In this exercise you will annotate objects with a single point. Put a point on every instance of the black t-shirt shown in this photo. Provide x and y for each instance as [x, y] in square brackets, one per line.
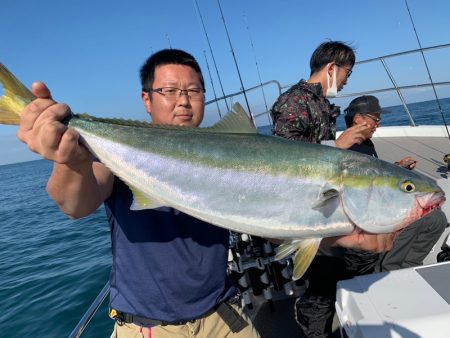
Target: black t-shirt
[367, 147]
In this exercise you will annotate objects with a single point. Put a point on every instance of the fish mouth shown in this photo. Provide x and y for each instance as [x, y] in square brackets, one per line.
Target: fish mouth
[429, 202]
[425, 204]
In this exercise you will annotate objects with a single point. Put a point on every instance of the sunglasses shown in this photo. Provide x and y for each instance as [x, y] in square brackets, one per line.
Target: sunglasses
[349, 71]
[374, 118]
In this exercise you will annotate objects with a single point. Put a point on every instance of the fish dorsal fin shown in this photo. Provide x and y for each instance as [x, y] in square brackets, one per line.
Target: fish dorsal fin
[118, 121]
[235, 122]
[142, 202]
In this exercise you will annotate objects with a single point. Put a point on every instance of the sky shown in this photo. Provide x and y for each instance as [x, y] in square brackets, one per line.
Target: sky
[89, 52]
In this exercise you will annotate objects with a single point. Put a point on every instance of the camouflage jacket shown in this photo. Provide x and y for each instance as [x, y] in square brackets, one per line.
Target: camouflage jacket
[303, 113]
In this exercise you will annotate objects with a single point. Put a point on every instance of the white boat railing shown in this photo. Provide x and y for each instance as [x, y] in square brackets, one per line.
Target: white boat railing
[231, 98]
[90, 313]
[382, 59]
[397, 88]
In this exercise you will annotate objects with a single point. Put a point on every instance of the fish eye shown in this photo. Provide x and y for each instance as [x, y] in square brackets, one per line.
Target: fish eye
[408, 186]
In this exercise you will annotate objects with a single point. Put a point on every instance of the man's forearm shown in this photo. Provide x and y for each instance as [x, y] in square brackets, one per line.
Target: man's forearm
[75, 189]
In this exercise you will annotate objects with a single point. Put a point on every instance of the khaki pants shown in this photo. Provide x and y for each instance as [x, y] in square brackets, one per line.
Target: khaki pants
[211, 326]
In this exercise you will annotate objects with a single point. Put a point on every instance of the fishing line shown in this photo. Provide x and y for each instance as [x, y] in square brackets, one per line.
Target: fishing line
[428, 70]
[235, 62]
[256, 63]
[210, 50]
[212, 84]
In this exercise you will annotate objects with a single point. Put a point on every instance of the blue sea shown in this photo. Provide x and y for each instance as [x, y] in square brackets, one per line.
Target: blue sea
[52, 268]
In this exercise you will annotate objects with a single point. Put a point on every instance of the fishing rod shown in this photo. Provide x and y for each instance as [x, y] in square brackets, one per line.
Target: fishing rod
[235, 62]
[210, 50]
[212, 84]
[170, 45]
[428, 70]
[256, 63]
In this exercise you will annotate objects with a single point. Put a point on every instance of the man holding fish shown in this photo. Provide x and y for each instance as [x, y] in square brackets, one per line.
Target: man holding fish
[169, 268]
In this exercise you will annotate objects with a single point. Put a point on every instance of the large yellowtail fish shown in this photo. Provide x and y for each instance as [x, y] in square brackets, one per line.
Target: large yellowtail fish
[262, 185]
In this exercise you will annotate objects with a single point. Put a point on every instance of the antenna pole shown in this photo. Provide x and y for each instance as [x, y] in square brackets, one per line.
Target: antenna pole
[235, 62]
[428, 70]
[210, 50]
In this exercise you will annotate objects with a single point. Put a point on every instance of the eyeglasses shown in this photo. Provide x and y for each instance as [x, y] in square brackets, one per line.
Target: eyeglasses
[374, 118]
[173, 93]
[349, 71]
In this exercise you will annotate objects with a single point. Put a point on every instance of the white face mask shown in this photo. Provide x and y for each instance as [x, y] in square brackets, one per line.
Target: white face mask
[332, 89]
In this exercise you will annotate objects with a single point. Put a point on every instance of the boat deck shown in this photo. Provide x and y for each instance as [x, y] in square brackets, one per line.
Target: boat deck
[428, 151]
[277, 320]
[427, 144]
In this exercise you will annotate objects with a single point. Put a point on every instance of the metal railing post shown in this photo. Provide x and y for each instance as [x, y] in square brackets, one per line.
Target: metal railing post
[399, 93]
[89, 314]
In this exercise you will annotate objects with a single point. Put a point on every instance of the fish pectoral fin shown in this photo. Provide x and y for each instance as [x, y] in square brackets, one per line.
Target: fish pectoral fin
[142, 201]
[286, 249]
[304, 256]
[305, 251]
[237, 121]
[325, 198]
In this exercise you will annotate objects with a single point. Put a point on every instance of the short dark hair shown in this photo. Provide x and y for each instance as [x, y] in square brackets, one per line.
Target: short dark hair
[331, 51]
[167, 57]
[349, 120]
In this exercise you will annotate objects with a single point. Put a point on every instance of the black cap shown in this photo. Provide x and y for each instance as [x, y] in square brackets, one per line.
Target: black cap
[365, 104]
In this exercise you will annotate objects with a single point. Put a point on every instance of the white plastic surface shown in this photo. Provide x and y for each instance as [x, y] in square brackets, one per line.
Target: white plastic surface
[400, 303]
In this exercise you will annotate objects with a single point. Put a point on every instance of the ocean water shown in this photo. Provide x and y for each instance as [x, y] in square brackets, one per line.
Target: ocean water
[52, 268]
[423, 113]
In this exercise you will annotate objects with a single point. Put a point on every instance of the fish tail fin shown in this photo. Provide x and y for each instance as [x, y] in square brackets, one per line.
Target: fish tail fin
[14, 99]
[305, 251]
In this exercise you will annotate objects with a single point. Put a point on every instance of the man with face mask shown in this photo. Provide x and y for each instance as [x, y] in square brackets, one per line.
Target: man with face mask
[304, 113]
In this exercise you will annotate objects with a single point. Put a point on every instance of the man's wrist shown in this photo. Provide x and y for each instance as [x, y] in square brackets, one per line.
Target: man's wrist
[331, 143]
